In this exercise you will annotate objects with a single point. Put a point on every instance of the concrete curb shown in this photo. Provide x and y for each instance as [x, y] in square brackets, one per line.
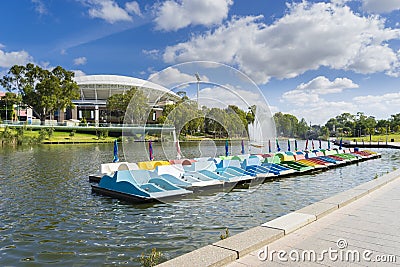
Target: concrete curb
[239, 245]
[247, 241]
[206, 256]
[290, 222]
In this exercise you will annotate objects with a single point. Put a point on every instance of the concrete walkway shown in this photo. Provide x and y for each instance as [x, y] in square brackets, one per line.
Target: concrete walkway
[366, 232]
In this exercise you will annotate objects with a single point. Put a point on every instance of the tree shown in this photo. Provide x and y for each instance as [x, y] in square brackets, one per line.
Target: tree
[132, 105]
[7, 103]
[184, 115]
[286, 124]
[302, 128]
[238, 118]
[395, 121]
[251, 114]
[43, 90]
[324, 132]
[370, 124]
[181, 94]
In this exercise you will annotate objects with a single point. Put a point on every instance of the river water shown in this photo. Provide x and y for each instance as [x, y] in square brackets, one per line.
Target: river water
[48, 214]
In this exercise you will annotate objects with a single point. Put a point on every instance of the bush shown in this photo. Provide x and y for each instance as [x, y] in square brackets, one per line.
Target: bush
[152, 259]
[226, 235]
[102, 134]
[42, 135]
[50, 132]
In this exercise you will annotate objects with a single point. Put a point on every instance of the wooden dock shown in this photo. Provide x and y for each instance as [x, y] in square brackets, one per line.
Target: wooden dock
[357, 227]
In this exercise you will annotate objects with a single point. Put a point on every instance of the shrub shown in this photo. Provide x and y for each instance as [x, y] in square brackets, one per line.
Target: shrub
[226, 235]
[151, 259]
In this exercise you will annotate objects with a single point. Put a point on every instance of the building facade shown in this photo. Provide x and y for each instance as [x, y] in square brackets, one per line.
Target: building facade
[96, 89]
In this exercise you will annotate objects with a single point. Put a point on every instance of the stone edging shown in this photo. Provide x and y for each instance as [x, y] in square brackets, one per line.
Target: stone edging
[228, 250]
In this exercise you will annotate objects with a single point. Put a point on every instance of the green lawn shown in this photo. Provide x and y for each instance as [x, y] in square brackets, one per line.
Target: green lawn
[376, 138]
[64, 137]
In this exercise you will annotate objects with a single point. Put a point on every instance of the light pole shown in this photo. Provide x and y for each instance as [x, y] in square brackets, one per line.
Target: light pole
[198, 88]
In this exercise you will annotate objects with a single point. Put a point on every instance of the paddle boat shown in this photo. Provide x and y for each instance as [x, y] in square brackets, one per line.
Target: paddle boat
[258, 165]
[137, 186]
[177, 175]
[157, 180]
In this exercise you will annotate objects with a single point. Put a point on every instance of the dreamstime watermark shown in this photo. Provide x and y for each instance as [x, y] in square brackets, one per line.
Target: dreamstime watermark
[339, 254]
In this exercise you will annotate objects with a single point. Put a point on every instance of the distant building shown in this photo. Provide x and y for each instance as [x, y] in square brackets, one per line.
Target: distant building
[15, 112]
[96, 89]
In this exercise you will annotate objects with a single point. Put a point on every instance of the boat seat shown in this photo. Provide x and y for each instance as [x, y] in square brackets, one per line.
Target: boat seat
[108, 168]
[181, 161]
[250, 161]
[141, 176]
[201, 165]
[124, 176]
[151, 165]
[175, 170]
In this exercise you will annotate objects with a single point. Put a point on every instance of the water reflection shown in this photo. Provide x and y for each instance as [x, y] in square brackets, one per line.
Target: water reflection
[49, 215]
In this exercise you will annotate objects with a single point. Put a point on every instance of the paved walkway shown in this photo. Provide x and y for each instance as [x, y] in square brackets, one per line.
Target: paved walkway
[368, 227]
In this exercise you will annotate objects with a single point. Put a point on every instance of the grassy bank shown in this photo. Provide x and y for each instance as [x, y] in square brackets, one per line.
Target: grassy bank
[48, 136]
[375, 138]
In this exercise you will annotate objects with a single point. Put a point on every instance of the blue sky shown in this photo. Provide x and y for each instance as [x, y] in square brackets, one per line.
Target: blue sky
[313, 59]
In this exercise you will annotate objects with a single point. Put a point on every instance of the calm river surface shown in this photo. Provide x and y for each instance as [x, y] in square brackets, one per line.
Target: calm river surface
[48, 214]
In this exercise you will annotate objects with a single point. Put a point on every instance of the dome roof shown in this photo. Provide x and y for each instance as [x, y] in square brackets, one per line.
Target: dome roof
[101, 87]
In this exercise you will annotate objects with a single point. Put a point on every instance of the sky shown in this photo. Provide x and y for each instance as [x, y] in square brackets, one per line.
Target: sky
[313, 59]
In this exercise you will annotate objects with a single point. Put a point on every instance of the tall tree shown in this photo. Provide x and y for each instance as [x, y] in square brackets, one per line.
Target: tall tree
[43, 90]
[302, 128]
[7, 103]
[132, 105]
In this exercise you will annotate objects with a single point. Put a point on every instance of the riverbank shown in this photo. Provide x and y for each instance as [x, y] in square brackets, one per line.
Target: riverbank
[23, 136]
[243, 249]
[393, 137]
[67, 135]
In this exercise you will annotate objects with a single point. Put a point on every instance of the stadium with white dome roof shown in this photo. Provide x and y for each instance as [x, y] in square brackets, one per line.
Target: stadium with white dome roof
[96, 89]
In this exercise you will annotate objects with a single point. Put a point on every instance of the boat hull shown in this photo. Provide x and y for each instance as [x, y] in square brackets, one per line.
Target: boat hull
[134, 198]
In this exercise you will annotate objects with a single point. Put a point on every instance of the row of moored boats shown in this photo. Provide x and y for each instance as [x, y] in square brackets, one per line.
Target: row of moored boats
[159, 180]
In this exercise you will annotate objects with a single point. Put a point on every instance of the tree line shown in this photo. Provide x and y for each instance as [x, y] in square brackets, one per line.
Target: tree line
[357, 125]
[45, 91]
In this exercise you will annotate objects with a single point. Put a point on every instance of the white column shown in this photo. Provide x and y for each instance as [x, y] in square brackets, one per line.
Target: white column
[96, 115]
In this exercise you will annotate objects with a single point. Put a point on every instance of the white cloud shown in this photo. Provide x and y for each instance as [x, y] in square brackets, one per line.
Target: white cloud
[79, 73]
[307, 94]
[174, 15]
[8, 59]
[379, 103]
[171, 77]
[381, 6]
[108, 10]
[380, 106]
[154, 53]
[223, 96]
[306, 100]
[40, 7]
[133, 8]
[322, 112]
[308, 37]
[320, 86]
[80, 61]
